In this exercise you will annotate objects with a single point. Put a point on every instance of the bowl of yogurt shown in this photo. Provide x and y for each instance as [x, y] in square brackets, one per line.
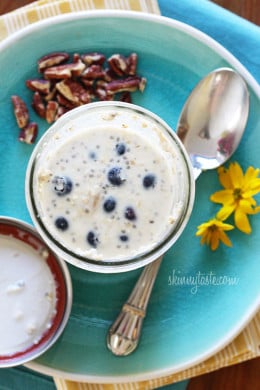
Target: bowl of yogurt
[109, 187]
[35, 291]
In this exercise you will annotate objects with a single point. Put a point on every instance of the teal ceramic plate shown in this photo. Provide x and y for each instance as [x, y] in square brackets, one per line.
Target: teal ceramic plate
[191, 315]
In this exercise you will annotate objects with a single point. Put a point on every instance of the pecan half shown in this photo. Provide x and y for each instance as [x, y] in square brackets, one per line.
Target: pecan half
[123, 66]
[94, 72]
[73, 91]
[52, 59]
[118, 63]
[29, 133]
[65, 71]
[78, 68]
[20, 111]
[132, 64]
[51, 111]
[130, 84]
[58, 72]
[65, 102]
[38, 105]
[39, 85]
[93, 58]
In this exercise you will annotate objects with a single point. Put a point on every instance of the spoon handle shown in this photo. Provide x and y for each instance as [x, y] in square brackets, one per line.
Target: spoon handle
[123, 336]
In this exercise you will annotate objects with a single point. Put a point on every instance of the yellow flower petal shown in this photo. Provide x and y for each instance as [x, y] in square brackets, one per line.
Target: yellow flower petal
[224, 177]
[242, 222]
[224, 238]
[251, 201]
[251, 173]
[225, 212]
[214, 242]
[251, 188]
[209, 237]
[223, 196]
[245, 205]
[201, 229]
[223, 225]
[203, 239]
[236, 175]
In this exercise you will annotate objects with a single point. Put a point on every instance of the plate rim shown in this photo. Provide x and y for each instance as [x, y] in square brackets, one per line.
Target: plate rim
[252, 82]
[151, 375]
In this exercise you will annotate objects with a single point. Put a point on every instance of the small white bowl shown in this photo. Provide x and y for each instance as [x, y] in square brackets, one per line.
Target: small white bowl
[36, 294]
[68, 181]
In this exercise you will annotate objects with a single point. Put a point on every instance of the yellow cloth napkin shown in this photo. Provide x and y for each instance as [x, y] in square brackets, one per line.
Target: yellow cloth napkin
[247, 344]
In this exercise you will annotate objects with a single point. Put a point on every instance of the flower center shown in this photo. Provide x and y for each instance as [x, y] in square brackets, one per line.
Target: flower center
[213, 228]
[237, 193]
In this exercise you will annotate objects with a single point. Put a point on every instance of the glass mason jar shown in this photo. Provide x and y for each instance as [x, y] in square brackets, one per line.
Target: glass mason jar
[109, 187]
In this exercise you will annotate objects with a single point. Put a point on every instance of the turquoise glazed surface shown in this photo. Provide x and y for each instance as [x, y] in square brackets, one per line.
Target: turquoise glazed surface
[186, 322]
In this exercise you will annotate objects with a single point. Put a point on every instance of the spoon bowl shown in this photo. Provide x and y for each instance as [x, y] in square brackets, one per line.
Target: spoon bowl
[213, 119]
[210, 126]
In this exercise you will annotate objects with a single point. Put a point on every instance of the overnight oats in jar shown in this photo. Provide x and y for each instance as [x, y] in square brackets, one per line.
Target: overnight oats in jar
[109, 187]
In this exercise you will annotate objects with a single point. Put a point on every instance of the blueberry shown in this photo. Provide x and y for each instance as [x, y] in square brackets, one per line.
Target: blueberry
[120, 148]
[124, 237]
[114, 176]
[62, 185]
[149, 180]
[92, 156]
[61, 223]
[92, 239]
[130, 214]
[109, 204]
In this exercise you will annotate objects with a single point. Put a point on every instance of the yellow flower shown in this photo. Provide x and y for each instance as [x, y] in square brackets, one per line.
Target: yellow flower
[213, 231]
[237, 196]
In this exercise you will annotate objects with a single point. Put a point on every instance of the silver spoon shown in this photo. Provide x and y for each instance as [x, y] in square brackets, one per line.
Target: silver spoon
[210, 126]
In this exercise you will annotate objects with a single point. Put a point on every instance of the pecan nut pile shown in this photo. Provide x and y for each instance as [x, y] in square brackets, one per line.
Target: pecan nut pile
[64, 84]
